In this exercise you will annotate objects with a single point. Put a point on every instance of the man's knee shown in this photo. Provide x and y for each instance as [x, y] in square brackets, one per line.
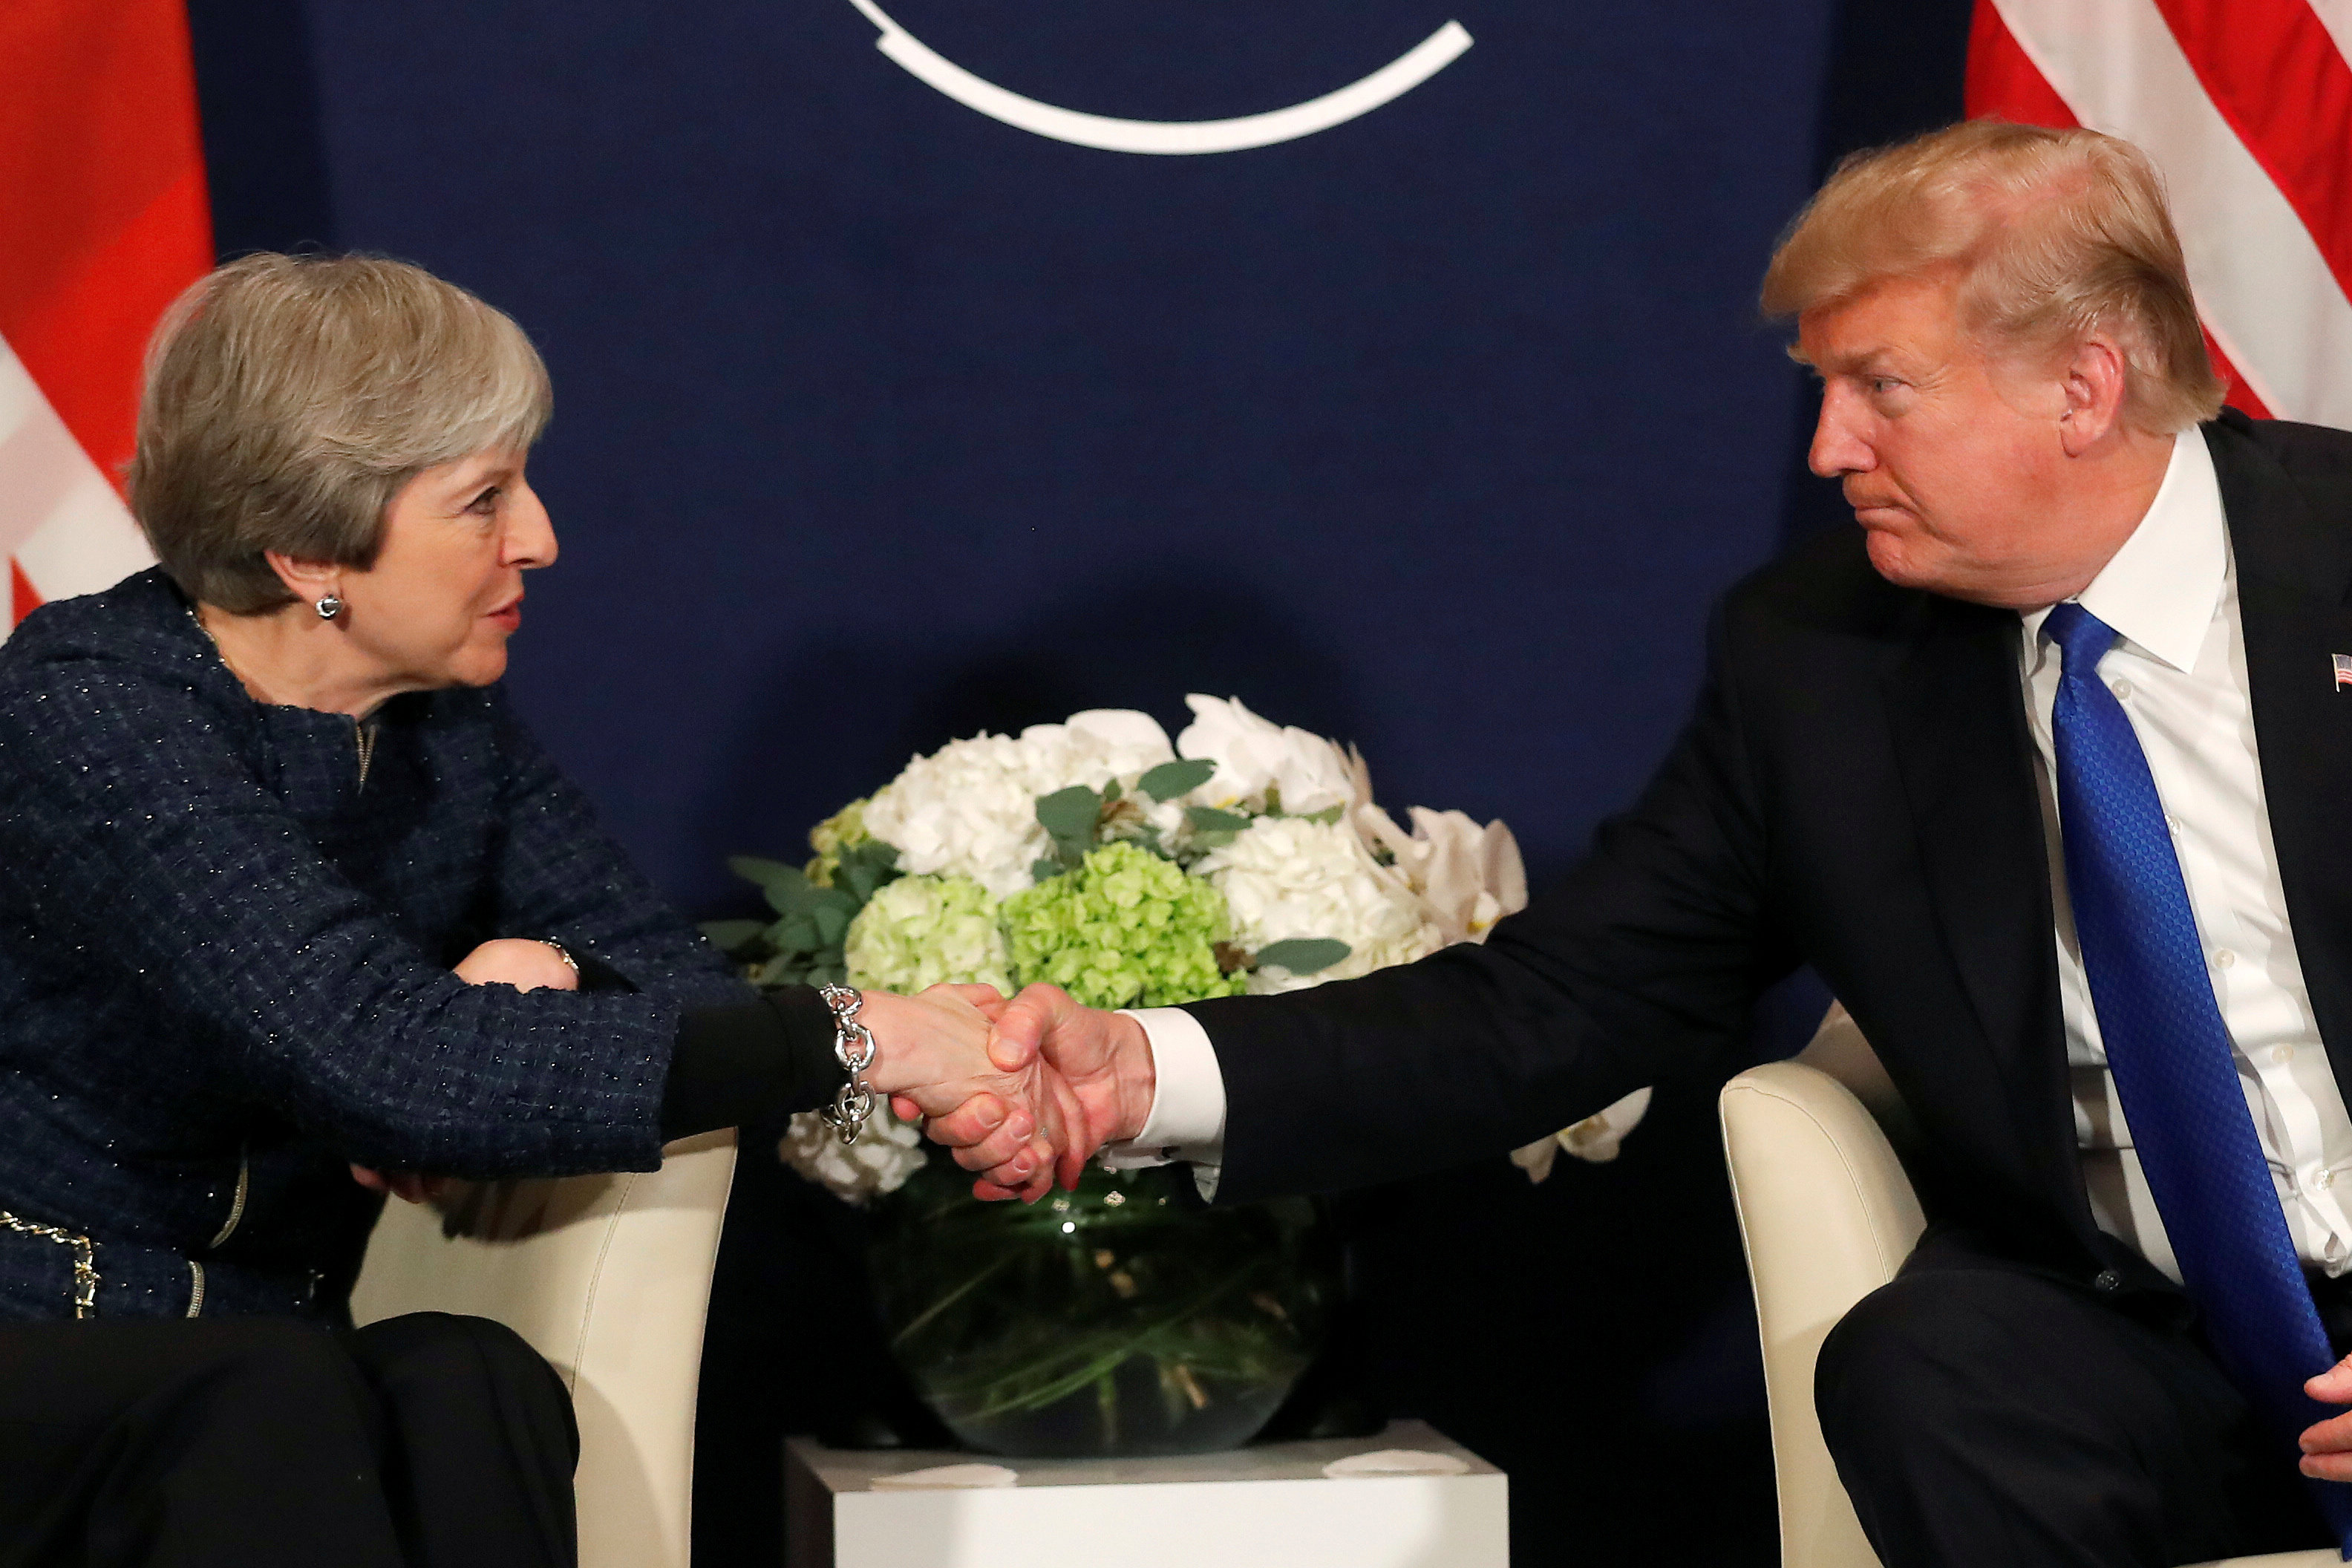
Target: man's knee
[1922, 1351]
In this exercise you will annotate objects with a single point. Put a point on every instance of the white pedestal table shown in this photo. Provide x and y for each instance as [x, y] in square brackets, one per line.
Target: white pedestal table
[1268, 1506]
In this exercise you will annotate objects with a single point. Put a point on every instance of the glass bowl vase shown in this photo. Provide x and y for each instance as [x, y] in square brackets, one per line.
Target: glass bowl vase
[1126, 1317]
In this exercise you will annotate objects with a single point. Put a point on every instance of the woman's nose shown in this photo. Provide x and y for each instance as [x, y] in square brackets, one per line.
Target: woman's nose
[529, 535]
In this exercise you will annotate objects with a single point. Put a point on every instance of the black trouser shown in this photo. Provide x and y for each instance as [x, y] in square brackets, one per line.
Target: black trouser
[1981, 1413]
[426, 1441]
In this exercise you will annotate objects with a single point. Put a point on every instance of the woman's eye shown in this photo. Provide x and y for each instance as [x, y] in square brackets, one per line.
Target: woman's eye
[485, 503]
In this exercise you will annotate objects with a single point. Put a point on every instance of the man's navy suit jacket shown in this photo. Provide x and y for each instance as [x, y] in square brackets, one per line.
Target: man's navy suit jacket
[1856, 791]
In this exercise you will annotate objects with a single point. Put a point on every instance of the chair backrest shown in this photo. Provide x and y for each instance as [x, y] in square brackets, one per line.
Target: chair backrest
[609, 1278]
[1828, 1216]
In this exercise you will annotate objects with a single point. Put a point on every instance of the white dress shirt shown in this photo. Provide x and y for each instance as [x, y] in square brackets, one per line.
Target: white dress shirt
[2179, 668]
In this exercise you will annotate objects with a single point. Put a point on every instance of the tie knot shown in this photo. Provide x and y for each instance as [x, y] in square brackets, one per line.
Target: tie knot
[2081, 636]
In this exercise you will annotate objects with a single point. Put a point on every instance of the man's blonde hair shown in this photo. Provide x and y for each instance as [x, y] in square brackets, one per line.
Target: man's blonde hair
[288, 399]
[2053, 234]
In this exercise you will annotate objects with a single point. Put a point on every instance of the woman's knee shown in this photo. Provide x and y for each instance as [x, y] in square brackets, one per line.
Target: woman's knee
[438, 1359]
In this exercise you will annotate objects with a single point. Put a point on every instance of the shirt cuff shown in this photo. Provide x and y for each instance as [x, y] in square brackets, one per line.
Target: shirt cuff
[1188, 1103]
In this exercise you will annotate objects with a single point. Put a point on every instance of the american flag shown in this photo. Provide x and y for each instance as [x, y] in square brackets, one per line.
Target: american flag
[2246, 107]
[102, 189]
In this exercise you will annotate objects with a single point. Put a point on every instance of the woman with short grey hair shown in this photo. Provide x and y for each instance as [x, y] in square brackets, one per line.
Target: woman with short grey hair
[289, 896]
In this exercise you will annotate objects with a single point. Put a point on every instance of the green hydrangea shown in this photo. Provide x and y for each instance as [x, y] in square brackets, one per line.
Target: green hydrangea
[845, 829]
[1126, 928]
[927, 930]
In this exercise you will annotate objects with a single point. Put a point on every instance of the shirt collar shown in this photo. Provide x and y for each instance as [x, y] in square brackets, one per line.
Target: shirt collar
[2160, 589]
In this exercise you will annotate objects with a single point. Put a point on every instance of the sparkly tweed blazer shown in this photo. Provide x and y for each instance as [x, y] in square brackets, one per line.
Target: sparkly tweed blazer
[226, 932]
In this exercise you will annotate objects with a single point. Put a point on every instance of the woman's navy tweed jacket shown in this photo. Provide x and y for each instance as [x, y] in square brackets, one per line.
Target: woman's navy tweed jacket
[225, 967]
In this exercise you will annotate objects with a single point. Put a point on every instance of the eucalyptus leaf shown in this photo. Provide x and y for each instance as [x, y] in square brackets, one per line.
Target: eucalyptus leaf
[1110, 791]
[832, 924]
[1209, 819]
[1304, 955]
[729, 935]
[1046, 871]
[765, 872]
[1069, 816]
[1170, 780]
[1327, 817]
[1214, 838]
[1070, 812]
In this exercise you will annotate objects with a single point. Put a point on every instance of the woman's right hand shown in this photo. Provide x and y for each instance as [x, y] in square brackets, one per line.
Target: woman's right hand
[523, 964]
[505, 961]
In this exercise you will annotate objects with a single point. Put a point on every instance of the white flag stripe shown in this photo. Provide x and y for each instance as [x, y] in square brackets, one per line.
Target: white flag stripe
[2261, 283]
[60, 518]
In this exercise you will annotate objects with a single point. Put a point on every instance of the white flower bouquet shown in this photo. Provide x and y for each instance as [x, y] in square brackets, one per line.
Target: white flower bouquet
[1243, 857]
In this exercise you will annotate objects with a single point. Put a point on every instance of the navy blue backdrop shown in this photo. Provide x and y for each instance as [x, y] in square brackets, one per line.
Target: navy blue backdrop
[880, 422]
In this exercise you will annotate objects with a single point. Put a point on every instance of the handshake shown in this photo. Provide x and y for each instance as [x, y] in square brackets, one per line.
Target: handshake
[1024, 1091]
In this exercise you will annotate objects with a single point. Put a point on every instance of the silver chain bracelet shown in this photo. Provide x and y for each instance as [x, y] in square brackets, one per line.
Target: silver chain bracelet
[853, 1046]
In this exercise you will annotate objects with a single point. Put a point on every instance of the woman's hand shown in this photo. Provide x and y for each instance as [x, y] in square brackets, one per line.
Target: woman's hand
[508, 961]
[930, 1057]
[525, 965]
[406, 1185]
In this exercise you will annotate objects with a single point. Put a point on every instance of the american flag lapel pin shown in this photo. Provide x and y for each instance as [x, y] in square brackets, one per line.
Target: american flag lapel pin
[2343, 669]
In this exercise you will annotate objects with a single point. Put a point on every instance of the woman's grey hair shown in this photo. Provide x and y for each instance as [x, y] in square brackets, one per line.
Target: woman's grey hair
[288, 399]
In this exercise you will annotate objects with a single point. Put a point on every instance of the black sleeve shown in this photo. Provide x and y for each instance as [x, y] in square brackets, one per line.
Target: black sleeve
[751, 1064]
[1643, 963]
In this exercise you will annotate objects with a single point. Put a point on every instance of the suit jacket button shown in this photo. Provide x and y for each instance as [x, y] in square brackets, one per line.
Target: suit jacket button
[2108, 1280]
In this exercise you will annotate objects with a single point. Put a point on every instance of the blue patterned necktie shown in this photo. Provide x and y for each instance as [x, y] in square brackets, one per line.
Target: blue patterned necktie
[2170, 1056]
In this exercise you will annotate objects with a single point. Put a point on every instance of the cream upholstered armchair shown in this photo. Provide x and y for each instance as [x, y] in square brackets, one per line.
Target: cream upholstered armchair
[609, 1278]
[1828, 1215]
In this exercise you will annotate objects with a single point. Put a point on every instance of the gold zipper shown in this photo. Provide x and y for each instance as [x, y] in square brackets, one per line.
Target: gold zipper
[196, 1290]
[237, 1204]
[366, 735]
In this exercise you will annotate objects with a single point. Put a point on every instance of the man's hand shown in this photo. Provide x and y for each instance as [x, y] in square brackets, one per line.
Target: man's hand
[523, 964]
[931, 1056]
[1099, 1072]
[2327, 1445]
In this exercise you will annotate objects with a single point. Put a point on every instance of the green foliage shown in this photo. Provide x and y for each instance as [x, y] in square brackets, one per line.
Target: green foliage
[1070, 817]
[1170, 780]
[802, 946]
[1304, 955]
[1124, 928]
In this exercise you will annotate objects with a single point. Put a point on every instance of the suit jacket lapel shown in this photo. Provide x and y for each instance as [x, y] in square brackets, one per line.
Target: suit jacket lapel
[1966, 760]
[2292, 573]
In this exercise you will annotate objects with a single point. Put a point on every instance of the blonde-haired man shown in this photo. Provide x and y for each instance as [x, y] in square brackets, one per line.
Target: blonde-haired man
[2043, 772]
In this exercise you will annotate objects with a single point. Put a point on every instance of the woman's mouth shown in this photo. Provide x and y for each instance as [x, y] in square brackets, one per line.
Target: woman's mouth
[509, 618]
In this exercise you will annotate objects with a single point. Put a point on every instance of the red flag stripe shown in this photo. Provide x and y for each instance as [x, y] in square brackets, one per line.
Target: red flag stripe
[22, 600]
[2277, 77]
[101, 177]
[2003, 83]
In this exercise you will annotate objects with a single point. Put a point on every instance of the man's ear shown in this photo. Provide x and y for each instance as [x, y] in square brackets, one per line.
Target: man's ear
[2093, 385]
[308, 581]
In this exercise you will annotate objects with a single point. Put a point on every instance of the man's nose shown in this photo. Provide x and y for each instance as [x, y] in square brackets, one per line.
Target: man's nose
[1837, 447]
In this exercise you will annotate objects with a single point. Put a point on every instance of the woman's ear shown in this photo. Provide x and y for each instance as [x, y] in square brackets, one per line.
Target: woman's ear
[308, 581]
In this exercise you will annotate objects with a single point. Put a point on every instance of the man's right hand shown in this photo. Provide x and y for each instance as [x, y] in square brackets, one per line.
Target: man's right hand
[1100, 1066]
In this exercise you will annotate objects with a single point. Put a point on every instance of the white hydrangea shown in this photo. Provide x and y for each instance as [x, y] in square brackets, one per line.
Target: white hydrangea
[1256, 755]
[969, 809]
[886, 1153]
[919, 932]
[1286, 878]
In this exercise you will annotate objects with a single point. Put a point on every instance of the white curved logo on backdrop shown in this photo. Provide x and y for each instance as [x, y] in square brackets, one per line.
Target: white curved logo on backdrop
[1392, 81]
